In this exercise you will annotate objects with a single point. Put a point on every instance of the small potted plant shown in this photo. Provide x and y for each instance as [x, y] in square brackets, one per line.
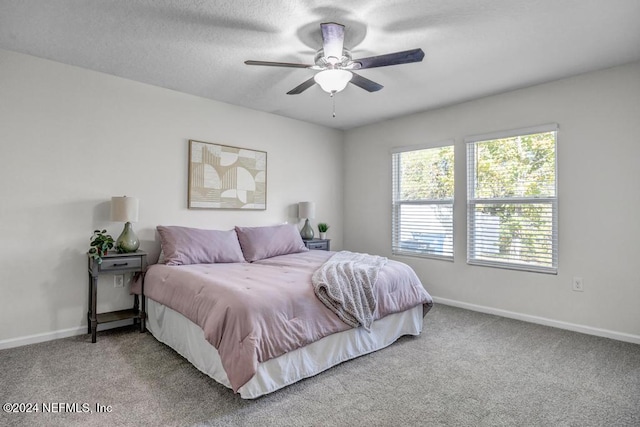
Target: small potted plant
[322, 228]
[100, 244]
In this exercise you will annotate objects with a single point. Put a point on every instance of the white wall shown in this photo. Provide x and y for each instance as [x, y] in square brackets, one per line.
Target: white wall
[599, 200]
[71, 138]
[57, 122]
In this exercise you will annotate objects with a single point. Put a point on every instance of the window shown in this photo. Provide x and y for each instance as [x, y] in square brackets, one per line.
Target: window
[422, 219]
[512, 205]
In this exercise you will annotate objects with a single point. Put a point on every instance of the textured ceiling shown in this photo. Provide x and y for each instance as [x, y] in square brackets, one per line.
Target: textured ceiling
[473, 48]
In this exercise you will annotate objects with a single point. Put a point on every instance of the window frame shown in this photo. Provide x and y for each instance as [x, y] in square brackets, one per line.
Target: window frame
[472, 201]
[397, 204]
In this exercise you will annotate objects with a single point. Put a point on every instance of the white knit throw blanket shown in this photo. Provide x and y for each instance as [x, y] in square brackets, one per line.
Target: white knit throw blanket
[345, 285]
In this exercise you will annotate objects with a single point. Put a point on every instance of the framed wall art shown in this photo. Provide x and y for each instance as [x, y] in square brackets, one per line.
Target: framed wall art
[225, 177]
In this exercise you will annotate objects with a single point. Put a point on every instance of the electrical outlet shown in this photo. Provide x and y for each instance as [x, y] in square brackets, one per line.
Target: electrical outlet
[577, 285]
[118, 281]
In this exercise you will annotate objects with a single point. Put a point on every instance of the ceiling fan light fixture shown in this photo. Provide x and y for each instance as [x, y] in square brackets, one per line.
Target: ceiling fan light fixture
[334, 63]
[333, 81]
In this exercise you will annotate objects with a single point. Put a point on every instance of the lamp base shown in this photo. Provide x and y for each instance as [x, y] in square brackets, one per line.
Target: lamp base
[307, 231]
[128, 241]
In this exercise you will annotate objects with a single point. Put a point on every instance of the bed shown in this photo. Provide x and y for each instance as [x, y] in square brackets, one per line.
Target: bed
[241, 306]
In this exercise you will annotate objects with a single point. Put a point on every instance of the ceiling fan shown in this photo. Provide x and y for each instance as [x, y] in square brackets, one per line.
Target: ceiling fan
[335, 65]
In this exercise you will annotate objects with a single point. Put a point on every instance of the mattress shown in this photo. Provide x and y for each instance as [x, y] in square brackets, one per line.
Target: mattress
[186, 338]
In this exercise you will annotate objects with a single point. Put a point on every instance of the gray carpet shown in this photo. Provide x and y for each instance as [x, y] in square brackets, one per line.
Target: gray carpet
[466, 369]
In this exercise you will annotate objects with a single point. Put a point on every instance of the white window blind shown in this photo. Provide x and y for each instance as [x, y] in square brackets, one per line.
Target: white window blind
[422, 202]
[512, 204]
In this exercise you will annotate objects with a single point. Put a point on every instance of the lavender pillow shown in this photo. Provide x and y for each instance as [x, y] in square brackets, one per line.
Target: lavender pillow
[183, 245]
[265, 242]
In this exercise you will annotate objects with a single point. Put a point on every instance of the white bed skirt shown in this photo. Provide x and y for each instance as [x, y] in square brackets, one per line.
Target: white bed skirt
[187, 338]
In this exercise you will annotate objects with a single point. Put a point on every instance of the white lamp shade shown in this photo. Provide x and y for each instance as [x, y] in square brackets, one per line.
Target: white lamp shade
[306, 210]
[333, 80]
[124, 209]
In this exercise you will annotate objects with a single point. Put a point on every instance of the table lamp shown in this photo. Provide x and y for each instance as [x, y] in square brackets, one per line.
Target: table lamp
[125, 209]
[306, 210]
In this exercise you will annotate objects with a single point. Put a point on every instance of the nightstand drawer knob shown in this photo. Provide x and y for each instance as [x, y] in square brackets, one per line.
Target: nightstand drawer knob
[124, 264]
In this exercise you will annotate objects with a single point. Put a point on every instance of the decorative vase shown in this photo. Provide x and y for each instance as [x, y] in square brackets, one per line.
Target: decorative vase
[128, 241]
[307, 231]
[323, 235]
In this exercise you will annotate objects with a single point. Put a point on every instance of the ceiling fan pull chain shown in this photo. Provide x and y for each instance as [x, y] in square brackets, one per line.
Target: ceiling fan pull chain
[334, 104]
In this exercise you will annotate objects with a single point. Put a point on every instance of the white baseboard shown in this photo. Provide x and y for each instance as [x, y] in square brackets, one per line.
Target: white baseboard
[620, 336]
[62, 333]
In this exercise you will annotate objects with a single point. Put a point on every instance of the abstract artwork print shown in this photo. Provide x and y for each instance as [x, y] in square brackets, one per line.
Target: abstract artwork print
[225, 177]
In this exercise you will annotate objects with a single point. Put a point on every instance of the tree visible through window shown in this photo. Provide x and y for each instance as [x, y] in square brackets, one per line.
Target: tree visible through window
[423, 202]
[512, 202]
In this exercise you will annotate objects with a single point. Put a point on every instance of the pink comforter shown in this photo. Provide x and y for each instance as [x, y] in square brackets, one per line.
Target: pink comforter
[254, 312]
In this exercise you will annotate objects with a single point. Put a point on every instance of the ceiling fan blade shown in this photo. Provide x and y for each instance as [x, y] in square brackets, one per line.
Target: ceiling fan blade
[277, 64]
[364, 83]
[332, 39]
[404, 57]
[302, 87]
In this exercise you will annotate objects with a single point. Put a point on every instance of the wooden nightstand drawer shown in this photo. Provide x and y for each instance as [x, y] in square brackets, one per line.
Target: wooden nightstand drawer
[120, 264]
[317, 244]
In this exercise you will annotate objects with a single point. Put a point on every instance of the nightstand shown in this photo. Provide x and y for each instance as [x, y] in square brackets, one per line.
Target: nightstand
[318, 244]
[115, 263]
